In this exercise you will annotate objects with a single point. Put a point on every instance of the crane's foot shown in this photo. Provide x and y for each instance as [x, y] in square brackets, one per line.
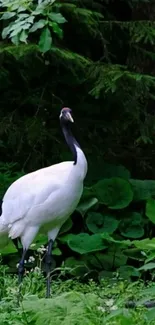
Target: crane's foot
[48, 262]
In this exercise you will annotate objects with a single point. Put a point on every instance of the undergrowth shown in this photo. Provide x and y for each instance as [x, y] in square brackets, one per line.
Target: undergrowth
[73, 302]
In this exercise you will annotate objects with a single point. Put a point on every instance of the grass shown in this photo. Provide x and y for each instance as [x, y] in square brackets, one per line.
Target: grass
[72, 302]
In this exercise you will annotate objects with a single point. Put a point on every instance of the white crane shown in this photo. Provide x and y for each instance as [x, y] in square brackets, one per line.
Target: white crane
[43, 200]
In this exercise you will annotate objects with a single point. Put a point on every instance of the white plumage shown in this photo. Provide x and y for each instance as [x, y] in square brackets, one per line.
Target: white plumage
[44, 199]
[48, 195]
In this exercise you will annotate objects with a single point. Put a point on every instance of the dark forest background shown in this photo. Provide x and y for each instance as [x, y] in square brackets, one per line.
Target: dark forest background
[96, 57]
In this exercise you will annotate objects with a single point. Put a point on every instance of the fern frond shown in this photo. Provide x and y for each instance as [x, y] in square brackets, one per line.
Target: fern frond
[108, 78]
[59, 53]
[140, 31]
[89, 18]
[71, 56]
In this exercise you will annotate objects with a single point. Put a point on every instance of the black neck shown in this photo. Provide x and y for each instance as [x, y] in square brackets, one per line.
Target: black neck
[71, 141]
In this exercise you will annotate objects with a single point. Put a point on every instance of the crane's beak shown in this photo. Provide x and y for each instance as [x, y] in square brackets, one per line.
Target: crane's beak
[69, 117]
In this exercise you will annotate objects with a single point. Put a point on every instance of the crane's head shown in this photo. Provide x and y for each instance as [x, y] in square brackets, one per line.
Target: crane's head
[66, 115]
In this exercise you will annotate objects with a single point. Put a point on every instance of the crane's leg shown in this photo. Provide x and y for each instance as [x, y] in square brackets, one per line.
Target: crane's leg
[21, 267]
[48, 262]
[20, 274]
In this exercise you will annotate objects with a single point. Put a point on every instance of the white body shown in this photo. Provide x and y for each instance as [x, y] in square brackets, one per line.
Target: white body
[42, 200]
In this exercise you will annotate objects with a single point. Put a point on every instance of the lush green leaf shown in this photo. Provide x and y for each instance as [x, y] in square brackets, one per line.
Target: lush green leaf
[6, 32]
[127, 271]
[23, 36]
[57, 17]
[45, 41]
[116, 193]
[38, 25]
[84, 243]
[132, 225]
[146, 267]
[111, 259]
[99, 223]
[145, 244]
[142, 189]
[84, 206]
[76, 267]
[8, 15]
[150, 209]
[56, 251]
[56, 29]
[66, 226]
[121, 243]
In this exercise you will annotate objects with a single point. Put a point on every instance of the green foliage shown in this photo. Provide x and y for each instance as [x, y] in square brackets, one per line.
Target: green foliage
[8, 174]
[45, 40]
[120, 223]
[116, 193]
[84, 243]
[109, 233]
[24, 18]
[132, 226]
[150, 209]
[99, 223]
[47, 63]
[29, 18]
[74, 303]
[142, 189]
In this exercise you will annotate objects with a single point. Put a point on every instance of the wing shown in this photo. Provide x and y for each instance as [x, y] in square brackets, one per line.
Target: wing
[32, 190]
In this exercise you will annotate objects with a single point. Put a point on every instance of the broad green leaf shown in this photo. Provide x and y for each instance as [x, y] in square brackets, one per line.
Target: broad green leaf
[145, 267]
[121, 243]
[66, 226]
[99, 223]
[8, 249]
[84, 243]
[87, 193]
[5, 32]
[132, 226]
[57, 17]
[38, 25]
[16, 32]
[150, 315]
[145, 244]
[150, 209]
[20, 9]
[14, 6]
[15, 39]
[116, 192]
[142, 189]
[21, 17]
[7, 15]
[45, 41]
[23, 36]
[150, 257]
[56, 251]
[113, 258]
[126, 271]
[56, 29]
[84, 206]
[99, 170]
[77, 267]
[39, 10]
[133, 232]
